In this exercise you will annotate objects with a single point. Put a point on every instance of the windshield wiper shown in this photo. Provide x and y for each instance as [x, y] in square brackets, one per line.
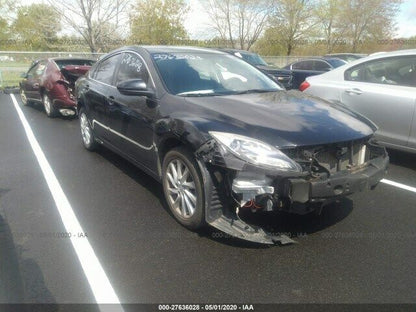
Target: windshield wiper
[255, 91]
[197, 93]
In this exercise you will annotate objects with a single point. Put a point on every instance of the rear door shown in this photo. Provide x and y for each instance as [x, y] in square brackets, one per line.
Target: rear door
[31, 83]
[132, 116]
[100, 86]
[383, 90]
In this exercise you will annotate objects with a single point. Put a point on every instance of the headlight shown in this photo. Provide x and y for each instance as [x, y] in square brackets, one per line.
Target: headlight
[255, 152]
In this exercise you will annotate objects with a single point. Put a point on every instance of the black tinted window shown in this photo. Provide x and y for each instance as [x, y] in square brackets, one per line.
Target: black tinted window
[304, 65]
[105, 70]
[336, 62]
[132, 67]
[321, 65]
[298, 65]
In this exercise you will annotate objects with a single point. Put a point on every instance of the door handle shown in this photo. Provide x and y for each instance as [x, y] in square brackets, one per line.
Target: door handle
[87, 87]
[355, 91]
[110, 100]
[35, 85]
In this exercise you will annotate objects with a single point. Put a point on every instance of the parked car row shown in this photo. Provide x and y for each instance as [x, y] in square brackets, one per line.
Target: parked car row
[292, 75]
[224, 139]
[51, 82]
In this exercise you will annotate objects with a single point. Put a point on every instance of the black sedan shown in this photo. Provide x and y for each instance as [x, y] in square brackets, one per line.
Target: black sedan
[223, 138]
[323, 64]
[281, 76]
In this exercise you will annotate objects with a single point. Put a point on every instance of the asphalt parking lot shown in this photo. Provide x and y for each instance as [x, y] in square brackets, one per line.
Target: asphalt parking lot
[360, 250]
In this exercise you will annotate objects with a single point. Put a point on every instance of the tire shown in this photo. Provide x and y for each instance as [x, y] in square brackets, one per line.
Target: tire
[183, 188]
[23, 97]
[87, 134]
[48, 105]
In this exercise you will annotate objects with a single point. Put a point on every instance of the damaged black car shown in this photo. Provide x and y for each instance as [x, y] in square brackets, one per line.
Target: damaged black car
[222, 137]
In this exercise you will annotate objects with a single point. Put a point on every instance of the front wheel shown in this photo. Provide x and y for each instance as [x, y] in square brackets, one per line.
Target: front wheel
[87, 133]
[183, 188]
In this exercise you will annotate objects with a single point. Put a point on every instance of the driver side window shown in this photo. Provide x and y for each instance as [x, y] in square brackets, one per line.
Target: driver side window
[105, 70]
[36, 70]
[132, 67]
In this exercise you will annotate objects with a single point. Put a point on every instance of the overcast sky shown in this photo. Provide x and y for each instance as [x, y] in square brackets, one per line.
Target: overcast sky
[406, 19]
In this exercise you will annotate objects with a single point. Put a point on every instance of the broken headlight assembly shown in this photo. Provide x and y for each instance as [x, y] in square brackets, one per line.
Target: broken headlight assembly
[255, 152]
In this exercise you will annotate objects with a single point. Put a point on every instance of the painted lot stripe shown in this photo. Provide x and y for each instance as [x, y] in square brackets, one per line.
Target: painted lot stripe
[399, 185]
[97, 278]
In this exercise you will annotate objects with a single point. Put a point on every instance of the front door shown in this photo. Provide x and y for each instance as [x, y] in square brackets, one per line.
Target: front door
[132, 116]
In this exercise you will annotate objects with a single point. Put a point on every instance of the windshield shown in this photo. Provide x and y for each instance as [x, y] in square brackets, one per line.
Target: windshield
[207, 74]
[252, 58]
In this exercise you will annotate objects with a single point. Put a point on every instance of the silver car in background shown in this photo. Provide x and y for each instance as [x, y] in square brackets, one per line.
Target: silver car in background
[381, 87]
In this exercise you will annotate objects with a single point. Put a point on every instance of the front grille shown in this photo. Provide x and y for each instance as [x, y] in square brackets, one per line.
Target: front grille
[330, 158]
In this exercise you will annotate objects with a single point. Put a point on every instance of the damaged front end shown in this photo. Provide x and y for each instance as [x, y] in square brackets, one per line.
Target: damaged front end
[301, 180]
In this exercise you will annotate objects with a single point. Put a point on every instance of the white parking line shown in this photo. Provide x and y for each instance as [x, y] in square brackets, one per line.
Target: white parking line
[98, 280]
[399, 185]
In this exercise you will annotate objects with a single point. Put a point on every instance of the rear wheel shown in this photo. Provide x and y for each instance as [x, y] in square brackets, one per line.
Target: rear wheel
[49, 109]
[87, 133]
[183, 188]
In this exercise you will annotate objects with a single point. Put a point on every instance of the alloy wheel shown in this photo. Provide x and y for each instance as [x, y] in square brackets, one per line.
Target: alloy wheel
[47, 104]
[181, 188]
[85, 129]
[23, 96]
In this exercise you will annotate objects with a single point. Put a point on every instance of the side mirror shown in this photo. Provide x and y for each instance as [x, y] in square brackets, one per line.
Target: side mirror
[134, 87]
[23, 75]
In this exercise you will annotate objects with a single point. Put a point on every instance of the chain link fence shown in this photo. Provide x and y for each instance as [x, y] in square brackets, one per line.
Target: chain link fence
[13, 64]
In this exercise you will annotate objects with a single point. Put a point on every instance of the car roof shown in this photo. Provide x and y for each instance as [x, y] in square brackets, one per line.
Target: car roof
[236, 51]
[169, 49]
[319, 58]
[379, 55]
[323, 58]
[344, 53]
[391, 53]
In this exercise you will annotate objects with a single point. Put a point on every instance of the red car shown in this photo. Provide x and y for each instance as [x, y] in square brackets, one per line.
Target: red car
[51, 82]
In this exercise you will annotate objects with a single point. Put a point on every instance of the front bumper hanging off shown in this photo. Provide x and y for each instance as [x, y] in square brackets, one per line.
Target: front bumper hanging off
[298, 194]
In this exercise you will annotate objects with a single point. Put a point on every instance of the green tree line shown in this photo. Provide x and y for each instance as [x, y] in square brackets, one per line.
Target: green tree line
[270, 27]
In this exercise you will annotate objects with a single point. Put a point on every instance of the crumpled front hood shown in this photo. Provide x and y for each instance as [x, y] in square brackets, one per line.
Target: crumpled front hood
[280, 118]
